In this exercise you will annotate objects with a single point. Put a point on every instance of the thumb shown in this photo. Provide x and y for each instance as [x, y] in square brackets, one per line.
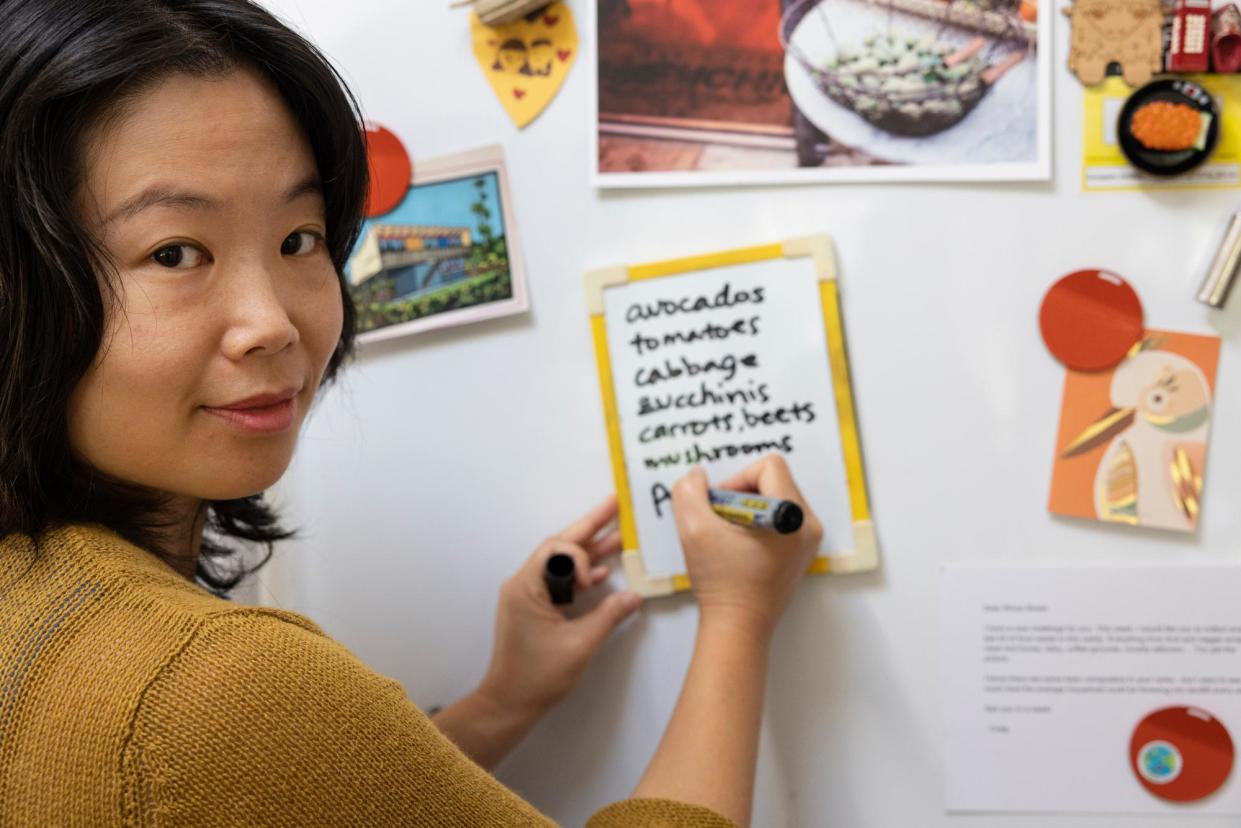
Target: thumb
[690, 499]
[611, 611]
[691, 504]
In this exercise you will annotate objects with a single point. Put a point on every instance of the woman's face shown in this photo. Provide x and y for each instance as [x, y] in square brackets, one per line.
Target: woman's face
[205, 193]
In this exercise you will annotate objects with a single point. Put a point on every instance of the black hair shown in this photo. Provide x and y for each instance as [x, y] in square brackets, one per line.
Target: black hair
[65, 65]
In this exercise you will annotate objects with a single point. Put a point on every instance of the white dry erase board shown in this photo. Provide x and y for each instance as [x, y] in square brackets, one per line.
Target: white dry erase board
[438, 462]
[715, 360]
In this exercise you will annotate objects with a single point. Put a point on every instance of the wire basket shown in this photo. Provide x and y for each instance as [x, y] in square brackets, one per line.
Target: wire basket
[906, 83]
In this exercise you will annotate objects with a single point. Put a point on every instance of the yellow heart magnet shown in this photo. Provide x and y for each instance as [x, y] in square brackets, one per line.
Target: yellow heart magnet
[527, 60]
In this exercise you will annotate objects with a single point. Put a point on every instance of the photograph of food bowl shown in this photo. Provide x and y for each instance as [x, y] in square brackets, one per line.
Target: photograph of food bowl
[695, 92]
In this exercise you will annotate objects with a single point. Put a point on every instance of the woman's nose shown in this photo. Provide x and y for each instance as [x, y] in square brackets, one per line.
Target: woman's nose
[260, 321]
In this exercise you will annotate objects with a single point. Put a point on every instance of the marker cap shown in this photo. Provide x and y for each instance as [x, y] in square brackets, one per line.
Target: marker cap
[788, 517]
[558, 574]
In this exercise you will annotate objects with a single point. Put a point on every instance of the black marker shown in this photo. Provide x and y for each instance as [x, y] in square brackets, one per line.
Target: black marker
[558, 574]
[756, 511]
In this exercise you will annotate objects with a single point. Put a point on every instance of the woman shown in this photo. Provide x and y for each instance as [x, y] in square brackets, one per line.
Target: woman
[183, 182]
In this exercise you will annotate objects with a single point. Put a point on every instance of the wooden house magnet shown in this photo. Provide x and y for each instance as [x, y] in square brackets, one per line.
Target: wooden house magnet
[1129, 32]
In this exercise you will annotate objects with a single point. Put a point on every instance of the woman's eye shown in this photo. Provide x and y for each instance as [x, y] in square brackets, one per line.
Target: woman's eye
[301, 243]
[178, 256]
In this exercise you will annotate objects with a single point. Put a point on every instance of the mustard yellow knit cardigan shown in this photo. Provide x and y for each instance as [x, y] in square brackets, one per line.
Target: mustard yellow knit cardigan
[130, 696]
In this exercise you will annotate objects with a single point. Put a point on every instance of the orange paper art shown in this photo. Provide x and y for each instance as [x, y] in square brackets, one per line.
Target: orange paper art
[1133, 441]
[526, 61]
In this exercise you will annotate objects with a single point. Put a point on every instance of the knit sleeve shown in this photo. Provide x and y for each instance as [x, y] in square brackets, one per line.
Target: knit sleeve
[258, 721]
[657, 813]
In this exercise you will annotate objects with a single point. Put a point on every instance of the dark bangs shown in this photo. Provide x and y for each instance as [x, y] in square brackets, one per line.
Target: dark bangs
[64, 64]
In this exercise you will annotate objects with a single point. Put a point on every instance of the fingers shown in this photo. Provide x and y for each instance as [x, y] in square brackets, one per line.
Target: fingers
[582, 577]
[604, 618]
[598, 575]
[608, 544]
[769, 476]
[691, 490]
[536, 564]
[589, 524]
[691, 505]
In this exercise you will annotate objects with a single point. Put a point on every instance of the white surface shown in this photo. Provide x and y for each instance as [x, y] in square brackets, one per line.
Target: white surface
[788, 347]
[442, 460]
[1048, 670]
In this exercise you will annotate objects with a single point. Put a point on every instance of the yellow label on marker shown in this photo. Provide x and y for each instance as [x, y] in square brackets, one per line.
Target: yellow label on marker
[739, 515]
[527, 60]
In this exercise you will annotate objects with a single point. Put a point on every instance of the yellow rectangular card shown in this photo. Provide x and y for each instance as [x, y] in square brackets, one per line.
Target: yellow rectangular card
[1104, 167]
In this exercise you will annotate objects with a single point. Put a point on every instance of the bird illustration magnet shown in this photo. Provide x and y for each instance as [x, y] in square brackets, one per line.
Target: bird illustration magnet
[1133, 441]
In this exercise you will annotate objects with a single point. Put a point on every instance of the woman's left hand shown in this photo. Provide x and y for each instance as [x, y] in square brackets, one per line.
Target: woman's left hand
[539, 654]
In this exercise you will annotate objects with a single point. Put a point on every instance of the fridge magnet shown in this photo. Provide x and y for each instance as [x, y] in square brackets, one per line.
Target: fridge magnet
[1129, 32]
[448, 254]
[1168, 127]
[496, 12]
[527, 60]
[1090, 319]
[1108, 166]
[1181, 754]
[1132, 442]
[1226, 39]
[390, 170]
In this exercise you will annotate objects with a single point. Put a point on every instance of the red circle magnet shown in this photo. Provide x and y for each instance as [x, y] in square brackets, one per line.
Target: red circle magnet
[390, 170]
[1090, 319]
[1181, 754]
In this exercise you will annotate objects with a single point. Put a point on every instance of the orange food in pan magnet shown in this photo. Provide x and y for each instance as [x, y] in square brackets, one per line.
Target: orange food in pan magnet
[1165, 125]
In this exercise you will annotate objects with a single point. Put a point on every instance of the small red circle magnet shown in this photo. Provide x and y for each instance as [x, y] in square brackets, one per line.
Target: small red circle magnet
[390, 170]
[1090, 319]
[1181, 754]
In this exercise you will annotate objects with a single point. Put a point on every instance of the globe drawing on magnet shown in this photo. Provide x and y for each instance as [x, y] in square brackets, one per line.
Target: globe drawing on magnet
[1181, 754]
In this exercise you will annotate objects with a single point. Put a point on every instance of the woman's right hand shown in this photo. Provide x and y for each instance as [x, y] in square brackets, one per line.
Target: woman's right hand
[741, 575]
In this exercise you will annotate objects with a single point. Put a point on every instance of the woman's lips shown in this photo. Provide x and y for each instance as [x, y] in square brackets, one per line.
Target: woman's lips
[265, 419]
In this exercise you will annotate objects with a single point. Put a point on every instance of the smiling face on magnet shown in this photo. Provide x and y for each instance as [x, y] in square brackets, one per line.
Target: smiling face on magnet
[526, 61]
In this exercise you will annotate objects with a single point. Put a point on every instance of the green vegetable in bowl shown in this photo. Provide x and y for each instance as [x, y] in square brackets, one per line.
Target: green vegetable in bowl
[904, 84]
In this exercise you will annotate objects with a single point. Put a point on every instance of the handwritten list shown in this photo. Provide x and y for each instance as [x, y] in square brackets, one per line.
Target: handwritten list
[717, 368]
